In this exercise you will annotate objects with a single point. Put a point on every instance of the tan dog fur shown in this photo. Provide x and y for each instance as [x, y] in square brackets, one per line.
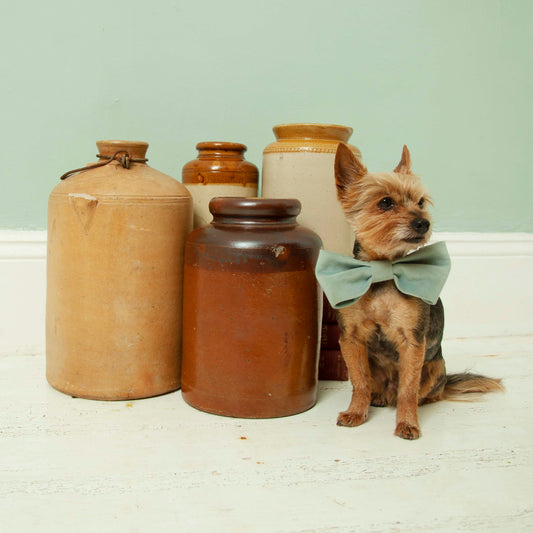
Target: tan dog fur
[391, 342]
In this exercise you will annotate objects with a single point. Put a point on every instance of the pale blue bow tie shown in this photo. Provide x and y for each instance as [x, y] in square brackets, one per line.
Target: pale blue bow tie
[422, 274]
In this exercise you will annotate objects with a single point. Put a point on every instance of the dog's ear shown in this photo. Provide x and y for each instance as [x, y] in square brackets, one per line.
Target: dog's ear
[348, 169]
[404, 166]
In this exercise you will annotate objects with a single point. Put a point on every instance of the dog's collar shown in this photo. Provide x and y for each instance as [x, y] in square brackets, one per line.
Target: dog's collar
[421, 274]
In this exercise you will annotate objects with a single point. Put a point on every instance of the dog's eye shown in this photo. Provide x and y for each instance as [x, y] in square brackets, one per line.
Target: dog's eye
[386, 203]
[421, 203]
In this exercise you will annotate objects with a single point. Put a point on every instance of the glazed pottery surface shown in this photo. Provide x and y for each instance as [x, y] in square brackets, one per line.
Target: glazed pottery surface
[116, 239]
[300, 164]
[252, 311]
[219, 170]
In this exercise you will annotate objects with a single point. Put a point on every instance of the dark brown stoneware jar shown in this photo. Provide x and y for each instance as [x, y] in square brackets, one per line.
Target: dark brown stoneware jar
[252, 311]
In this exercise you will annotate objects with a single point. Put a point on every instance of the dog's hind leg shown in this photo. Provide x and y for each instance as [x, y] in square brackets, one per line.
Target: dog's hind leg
[384, 386]
[432, 381]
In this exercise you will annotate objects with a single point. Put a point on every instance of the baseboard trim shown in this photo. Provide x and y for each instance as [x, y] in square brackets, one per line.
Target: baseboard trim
[21, 245]
[488, 293]
[22, 291]
[487, 244]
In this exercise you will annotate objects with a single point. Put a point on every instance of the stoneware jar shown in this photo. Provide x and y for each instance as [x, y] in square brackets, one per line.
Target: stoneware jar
[116, 236]
[252, 311]
[219, 170]
[300, 164]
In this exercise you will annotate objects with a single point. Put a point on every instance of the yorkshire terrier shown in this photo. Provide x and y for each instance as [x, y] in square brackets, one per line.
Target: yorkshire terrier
[391, 342]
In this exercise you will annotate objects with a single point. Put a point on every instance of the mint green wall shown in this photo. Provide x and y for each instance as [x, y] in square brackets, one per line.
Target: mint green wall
[451, 79]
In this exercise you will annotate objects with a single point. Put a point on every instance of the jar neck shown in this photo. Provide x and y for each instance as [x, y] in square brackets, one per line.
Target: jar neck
[135, 149]
[122, 153]
[247, 221]
[218, 150]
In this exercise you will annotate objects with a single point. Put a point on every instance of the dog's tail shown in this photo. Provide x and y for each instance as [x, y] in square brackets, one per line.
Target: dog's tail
[466, 383]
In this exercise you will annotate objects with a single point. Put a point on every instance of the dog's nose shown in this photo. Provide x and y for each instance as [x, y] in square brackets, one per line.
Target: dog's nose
[420, 225]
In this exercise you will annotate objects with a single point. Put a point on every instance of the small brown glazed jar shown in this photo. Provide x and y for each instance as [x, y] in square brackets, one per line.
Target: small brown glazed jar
[252, 311]
[219, 170]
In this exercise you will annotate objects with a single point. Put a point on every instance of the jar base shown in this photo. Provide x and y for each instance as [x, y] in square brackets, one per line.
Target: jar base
[253, 408]
[112, 396]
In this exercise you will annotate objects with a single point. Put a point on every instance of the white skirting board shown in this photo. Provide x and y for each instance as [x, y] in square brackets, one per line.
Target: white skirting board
[489, 292]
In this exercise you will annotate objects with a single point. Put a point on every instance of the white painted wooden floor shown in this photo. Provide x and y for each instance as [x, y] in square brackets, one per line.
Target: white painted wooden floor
[158, 465]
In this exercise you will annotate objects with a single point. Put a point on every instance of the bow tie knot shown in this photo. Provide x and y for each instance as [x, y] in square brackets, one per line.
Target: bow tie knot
[421, 274]
[381, 271]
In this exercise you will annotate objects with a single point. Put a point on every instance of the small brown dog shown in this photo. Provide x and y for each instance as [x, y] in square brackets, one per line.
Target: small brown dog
[391, 342]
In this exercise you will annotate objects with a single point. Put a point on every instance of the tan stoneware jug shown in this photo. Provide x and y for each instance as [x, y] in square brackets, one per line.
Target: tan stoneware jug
[116, 236]
[219, 170]
[252, 311]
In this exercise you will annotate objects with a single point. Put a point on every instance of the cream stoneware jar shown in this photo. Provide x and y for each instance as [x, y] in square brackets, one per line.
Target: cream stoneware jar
[300, 164]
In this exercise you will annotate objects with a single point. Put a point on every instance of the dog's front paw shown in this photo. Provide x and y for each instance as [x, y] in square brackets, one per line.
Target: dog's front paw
[350, 419]
[407, 431]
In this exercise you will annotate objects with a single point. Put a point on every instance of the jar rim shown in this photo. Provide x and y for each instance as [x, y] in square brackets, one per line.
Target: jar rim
[308, 130]
[137, 149]
[221, 145]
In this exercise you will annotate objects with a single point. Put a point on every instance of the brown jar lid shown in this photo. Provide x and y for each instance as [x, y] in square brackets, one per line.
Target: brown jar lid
[255, 207]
